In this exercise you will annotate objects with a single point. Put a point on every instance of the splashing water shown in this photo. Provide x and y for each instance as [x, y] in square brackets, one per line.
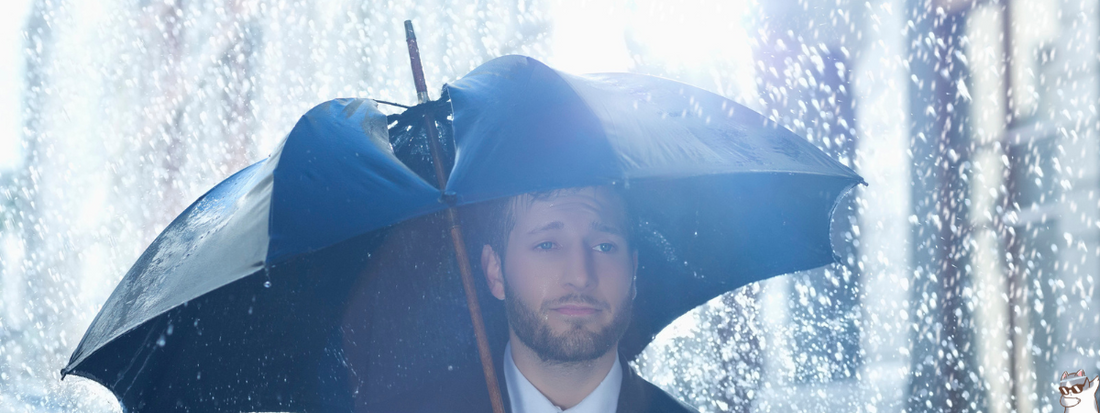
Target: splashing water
[966, 271]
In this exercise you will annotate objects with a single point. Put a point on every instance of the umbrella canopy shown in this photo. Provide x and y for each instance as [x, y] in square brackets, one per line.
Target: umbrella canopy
[321, 278]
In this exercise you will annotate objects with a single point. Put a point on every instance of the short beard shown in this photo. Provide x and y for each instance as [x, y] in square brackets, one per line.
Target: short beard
[573, 346]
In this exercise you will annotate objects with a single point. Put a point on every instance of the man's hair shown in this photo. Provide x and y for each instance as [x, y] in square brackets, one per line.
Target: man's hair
[491, 222]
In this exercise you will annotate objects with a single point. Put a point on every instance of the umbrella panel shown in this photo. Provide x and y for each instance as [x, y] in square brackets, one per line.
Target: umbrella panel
[263, 343]
[700, 237]
[375, 316]
[406, 324]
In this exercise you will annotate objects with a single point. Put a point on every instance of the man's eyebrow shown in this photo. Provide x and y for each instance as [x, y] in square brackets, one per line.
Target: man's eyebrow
[602, 227]
[596, 225]
[547, 227]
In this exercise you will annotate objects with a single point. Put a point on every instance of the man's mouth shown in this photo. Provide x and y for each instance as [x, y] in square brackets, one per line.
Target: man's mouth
[575, 310]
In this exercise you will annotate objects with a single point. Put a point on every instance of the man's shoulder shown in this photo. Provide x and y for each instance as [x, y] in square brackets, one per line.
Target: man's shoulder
[638, 395]
[457, 392]
[466, 392]
[661, 401]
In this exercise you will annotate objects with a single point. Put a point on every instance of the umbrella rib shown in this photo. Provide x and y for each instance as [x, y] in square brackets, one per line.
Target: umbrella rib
[131, 365]
[391, 103]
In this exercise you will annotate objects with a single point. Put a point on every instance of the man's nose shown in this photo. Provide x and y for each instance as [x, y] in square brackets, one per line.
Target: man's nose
[581, 273]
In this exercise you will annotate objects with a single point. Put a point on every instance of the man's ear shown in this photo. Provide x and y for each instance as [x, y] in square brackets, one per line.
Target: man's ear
[634, 278]
[494, 274]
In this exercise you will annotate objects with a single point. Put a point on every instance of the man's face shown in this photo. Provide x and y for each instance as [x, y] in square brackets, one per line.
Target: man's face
[567, 279]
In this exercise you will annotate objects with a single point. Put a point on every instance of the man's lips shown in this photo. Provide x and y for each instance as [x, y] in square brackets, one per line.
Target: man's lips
[576, 310]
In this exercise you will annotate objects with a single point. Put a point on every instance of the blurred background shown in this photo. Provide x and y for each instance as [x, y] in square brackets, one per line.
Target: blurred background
[969, 262]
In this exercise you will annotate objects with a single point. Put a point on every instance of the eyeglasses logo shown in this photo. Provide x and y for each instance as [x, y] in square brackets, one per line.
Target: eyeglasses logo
[1078, 393]
[1066, 391]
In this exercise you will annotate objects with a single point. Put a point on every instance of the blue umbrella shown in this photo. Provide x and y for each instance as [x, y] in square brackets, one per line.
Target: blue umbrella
[322, 278]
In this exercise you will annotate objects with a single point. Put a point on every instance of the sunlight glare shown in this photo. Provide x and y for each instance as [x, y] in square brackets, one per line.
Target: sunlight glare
[692, 32]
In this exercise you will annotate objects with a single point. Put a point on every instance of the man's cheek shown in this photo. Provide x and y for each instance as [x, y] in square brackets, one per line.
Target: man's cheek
[529, 291]
[616, 272]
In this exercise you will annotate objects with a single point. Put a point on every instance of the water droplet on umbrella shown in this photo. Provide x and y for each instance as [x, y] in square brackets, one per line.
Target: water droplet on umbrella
[160, 341]
[267, 284]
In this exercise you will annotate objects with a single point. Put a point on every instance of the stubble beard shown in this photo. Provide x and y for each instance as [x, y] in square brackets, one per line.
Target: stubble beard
[577, 344]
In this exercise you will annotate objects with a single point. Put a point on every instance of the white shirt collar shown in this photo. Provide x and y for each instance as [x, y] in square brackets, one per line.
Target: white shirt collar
[525, 398]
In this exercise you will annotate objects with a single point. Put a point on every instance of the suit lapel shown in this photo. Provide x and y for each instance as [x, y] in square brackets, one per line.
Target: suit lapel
[632, 394]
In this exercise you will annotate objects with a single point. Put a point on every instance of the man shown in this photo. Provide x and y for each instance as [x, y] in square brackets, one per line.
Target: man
[564, 264]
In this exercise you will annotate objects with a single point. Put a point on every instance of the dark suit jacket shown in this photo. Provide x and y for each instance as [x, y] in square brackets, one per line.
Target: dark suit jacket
[467, 392]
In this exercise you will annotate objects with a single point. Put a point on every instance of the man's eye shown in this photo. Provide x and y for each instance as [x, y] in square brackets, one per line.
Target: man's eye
[545, 246]
[605, 247]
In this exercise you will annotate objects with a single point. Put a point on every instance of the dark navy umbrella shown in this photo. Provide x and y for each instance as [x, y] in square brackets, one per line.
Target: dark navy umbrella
[322, 278]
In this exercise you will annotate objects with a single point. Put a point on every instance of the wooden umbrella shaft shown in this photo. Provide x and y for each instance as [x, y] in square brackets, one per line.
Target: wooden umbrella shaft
[464, 267]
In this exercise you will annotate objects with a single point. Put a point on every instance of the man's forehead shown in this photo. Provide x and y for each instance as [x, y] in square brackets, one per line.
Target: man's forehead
[605, 206]
[593, 199]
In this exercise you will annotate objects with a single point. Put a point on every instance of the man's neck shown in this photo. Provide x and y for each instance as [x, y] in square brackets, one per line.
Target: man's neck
[564, 384]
